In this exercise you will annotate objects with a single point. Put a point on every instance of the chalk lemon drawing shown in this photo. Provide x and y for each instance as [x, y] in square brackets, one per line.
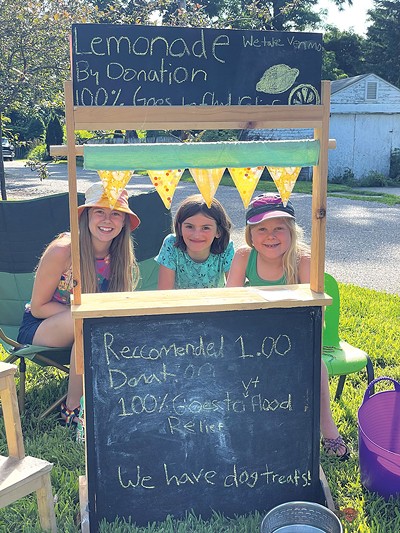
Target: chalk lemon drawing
[277, 79]
[304, 94]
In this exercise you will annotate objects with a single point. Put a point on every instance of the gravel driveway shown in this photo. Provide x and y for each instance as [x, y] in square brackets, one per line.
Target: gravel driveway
[362, 248]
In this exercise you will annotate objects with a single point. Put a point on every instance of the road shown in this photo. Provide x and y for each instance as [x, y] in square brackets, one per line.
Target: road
[362, 244]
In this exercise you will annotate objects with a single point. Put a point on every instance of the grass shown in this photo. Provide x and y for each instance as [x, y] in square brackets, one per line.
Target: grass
[305, 187]
[369, 320]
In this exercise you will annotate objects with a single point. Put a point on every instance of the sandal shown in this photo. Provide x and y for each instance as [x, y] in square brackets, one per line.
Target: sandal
[332, 446]
[69, 417]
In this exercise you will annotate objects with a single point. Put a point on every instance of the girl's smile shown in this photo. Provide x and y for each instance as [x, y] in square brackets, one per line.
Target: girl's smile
[105, 224]
[271, 237]
[198, 233]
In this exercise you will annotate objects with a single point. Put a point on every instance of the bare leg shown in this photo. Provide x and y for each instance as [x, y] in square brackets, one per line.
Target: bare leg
[55, 331]
[75, 384]
[328, 426]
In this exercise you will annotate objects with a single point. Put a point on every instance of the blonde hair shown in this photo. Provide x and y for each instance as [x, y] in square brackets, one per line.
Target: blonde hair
[297, 249]
[124, 270]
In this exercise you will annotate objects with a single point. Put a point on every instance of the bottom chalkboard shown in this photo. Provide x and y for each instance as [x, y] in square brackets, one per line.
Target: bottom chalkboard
[209, 411]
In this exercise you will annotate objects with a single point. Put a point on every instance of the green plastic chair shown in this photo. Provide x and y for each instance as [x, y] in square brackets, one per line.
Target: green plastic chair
[340, 357]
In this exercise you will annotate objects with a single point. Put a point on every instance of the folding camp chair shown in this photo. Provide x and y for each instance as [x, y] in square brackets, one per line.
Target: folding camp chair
[26, 227]
[340, 357]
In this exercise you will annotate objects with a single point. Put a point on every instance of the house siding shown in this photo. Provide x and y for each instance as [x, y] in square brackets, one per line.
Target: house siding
[366, 131]
[354, 95]
[364, 143]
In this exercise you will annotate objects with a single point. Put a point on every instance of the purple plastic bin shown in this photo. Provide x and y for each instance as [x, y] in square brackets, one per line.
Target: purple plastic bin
[379, 439]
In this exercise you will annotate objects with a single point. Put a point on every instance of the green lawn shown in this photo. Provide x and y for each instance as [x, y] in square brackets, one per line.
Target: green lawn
[305, 187]
[369, 320]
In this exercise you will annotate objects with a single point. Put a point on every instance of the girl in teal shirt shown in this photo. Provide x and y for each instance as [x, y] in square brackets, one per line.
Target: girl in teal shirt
[199, 252]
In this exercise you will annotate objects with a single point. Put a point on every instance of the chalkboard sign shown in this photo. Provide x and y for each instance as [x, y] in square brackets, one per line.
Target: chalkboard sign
[131, 65]
[204, 411]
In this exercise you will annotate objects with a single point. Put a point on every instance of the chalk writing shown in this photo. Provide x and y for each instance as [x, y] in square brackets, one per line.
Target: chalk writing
[199, 348]
[119, 379]
[179, 405]
[138, 481]
[269, 346]
[177, 425]
[172, 476]
[159, 46]
[253, 383]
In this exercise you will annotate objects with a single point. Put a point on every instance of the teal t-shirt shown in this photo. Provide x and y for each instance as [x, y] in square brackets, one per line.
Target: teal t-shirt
[253, 279]
[192, 275]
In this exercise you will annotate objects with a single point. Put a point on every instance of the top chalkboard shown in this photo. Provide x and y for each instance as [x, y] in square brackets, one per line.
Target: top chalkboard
[115, 65]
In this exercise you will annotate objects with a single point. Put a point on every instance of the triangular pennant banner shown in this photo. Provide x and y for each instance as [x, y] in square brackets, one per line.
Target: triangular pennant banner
[246, 180]
[207, 181]
[285, 179]
[165, 182]
[114, 181]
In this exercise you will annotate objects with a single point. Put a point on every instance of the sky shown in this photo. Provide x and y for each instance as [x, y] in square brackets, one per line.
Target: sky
[352, 17]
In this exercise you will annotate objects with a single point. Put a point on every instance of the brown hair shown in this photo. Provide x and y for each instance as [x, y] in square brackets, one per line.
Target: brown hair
[192, 206]
[124, 270]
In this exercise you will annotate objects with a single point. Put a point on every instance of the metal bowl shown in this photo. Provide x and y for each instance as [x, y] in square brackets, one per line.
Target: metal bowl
[301, 517]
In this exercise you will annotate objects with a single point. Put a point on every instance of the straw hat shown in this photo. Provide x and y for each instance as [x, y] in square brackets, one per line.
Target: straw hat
[96, 196]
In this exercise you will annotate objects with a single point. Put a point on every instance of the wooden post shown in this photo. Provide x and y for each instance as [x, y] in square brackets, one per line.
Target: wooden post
[319, 195]
[73, 214]
[73, 190]
[12, 421]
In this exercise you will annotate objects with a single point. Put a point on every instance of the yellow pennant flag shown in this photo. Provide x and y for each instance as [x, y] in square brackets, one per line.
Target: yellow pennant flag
[246, 180]
[207, 181]
[165, 182]
[114, 181]
[285, 179]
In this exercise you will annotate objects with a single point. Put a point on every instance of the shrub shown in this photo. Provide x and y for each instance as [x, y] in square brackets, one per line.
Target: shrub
[347, 178]
[54, 133]
[374, 179]
[39, 153]
[394, 171]
[220, 135]
[35, 129]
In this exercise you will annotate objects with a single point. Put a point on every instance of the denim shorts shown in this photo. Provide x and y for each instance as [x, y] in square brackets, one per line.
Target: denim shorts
[28, 328]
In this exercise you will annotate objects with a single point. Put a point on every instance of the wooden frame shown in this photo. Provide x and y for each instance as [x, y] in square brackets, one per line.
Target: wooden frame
[207, 117]
[201, 117]
[198, 117]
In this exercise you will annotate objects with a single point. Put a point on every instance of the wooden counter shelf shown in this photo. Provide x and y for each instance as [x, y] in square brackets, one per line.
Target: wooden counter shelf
[196, 301]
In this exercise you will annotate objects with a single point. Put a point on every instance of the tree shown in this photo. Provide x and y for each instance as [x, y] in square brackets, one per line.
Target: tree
[34, 53]
[34, 129]
[344, 51]
[383, 40]
[283, 15]
[54, 133]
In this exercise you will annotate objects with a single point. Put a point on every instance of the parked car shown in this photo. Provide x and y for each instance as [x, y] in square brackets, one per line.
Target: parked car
[8, 149]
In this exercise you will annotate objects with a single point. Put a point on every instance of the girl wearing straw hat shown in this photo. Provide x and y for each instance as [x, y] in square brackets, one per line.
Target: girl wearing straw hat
[107, 264]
